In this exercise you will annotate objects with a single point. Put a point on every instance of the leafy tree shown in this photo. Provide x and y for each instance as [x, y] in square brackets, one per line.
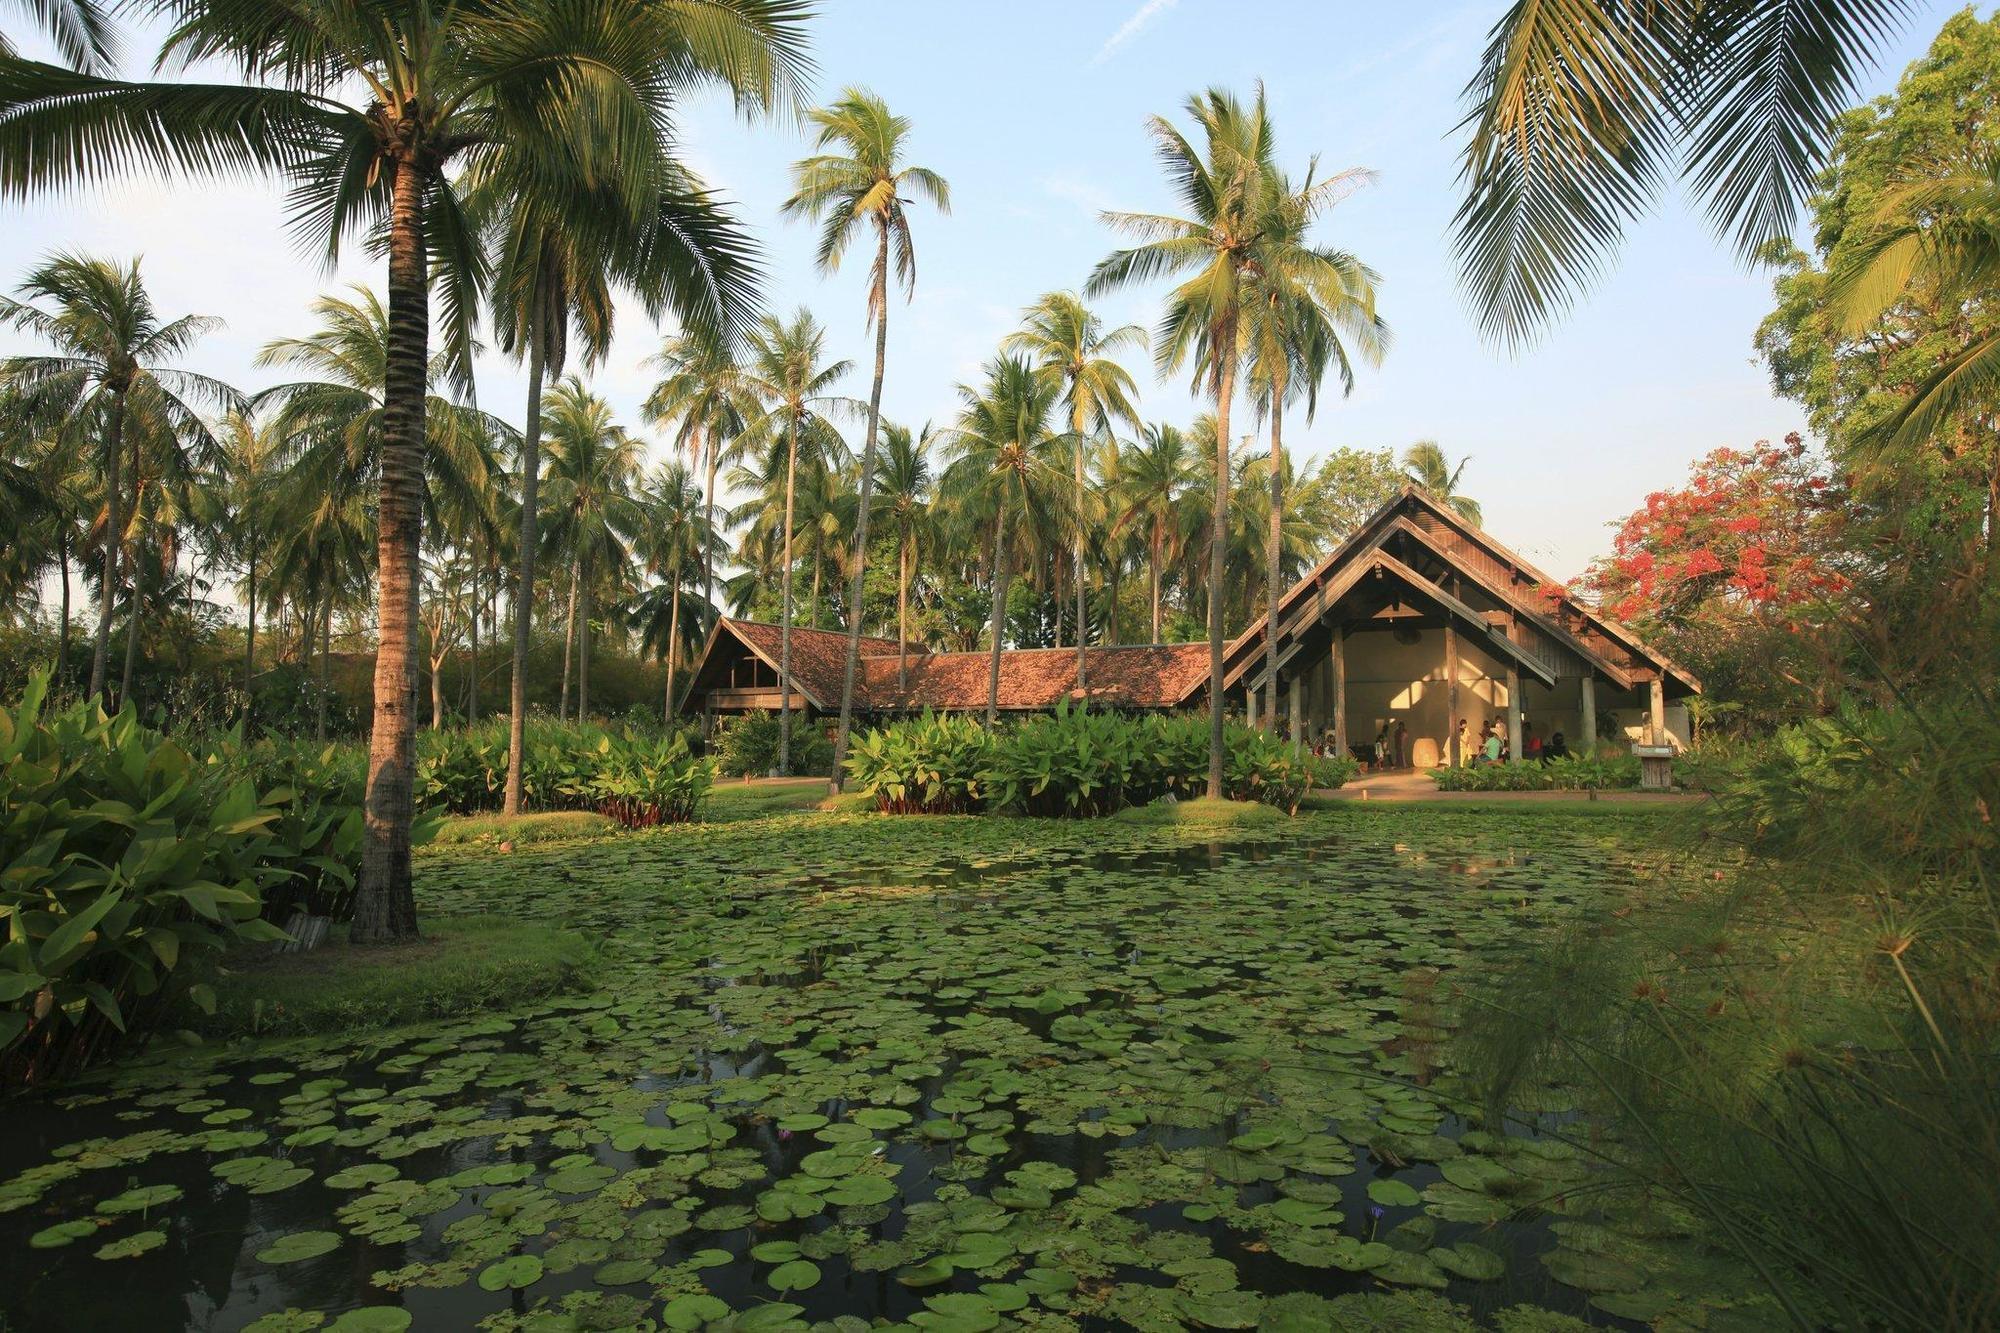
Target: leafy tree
[1154, 476]
[1582, 109]
[859, 176]
[1744, 573]
[574, 98]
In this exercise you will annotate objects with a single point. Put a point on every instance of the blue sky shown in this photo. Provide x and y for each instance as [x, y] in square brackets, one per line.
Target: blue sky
[1035, 112]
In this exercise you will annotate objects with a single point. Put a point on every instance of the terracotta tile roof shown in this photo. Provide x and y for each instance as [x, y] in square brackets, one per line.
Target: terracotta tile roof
[1149, 676]
[1139, 676]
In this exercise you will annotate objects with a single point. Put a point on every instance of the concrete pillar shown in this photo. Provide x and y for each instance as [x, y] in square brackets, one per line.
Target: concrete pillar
[1657, 723]
[1298, 712]
[1339, 664]
[1587, 692]
[1514, 711]
[1451, 695]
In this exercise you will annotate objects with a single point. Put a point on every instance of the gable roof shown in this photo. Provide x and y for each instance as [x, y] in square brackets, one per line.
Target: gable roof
[1418, 518]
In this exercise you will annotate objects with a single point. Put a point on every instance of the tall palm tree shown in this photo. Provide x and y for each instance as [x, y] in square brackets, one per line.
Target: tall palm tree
[1067, 343]
[1222, 186]
[792, 381]
[1426, 465]
[908, 486]
[1154, 475]
[1004, 472]
[858, 176]
[578, 99]
[110, 343]
[673, 540]
[1306, 304]
[702, 393]
[593, 468]
[249, 494]
[1580, 111]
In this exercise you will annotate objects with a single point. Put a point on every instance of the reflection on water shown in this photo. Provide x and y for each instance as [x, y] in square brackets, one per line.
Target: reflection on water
[446, 1108]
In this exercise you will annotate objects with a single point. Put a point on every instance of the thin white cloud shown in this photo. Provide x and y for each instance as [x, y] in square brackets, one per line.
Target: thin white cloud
[1132, 27]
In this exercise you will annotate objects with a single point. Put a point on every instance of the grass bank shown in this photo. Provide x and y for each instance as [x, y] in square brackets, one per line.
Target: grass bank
[461, 966]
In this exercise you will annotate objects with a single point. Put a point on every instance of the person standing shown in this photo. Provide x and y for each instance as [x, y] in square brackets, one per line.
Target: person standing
[1402, 745]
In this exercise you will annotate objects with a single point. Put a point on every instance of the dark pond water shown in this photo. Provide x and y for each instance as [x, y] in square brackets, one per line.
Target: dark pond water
[945, 1071]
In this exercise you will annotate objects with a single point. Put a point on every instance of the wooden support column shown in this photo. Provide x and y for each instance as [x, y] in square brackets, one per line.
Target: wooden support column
[1250, 700]
[1514, 711]
[1587, 691]
[1339, 665]
[1298, 718]
[1451, 694]
[1658, 721]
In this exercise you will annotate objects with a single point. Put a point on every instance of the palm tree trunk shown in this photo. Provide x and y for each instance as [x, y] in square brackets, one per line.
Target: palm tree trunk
[524, 578]
[881, 302]
[132, 617]
[62, 634]
[114, 459]
[673, 643]
[999, 616]
[325, 659]
[1218, 540]
[785, 596]
[812, 603]
[583, 651]
[437, 690]
[250, 643]
[472, 654]
[708, 546]
[569, 641]
[384, 909]
[903, 613]
[1076, 551]
[1272, 552]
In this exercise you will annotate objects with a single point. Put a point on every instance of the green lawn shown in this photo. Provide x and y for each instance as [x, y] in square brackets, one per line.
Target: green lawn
[964, 1073]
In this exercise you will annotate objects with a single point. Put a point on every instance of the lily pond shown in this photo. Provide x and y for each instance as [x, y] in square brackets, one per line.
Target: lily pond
[956, 1074]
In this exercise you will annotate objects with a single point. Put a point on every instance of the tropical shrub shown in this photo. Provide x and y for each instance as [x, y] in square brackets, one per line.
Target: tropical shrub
[1075, 763]
[641, 782]
[122, 862]
[1259, 766]
[1604, 771]
[932, 765]
[747, 746]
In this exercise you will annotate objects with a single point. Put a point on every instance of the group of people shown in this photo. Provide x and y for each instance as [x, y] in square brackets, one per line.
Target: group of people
[1391, 748]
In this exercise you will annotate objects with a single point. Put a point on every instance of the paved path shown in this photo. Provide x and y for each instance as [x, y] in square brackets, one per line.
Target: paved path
[1416, 785]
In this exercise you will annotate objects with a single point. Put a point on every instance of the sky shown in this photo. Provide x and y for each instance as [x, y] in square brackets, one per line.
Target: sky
[1035, 111]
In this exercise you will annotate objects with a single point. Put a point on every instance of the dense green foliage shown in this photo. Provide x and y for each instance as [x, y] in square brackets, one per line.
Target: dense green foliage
[1805, 1052]
[934, 764]
[747, 746]
[1075, 763]
[637, 777]
[122, 862]
[1605, 771]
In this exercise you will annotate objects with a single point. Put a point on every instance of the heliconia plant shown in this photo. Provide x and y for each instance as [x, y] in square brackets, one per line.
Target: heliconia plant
[935, 764]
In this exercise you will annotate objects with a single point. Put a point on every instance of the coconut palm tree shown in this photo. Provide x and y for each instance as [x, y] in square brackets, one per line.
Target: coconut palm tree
[790, 379]
[1306, 305]
[859, 176]
[80, 29]
[702, 394]
[1068, 343]
[1222, 186]
[110, 344]
[1154, 476]
[593, 468]
[1004, 473]
[908, 489]
[1581, 111]
[578, 99]
[1426, 465]
[249, 495]
[672, 541]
